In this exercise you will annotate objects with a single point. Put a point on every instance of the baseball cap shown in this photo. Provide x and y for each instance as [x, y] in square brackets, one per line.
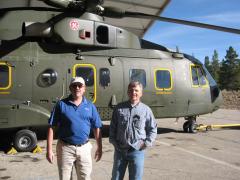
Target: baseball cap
[77, 80]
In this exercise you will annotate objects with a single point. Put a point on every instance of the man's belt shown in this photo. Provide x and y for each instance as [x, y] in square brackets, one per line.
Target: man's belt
[77, 145]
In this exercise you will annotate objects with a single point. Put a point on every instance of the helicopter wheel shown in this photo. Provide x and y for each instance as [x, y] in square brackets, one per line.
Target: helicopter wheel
[25, 140]
[186, 126]
[190, 126]
[193, 127]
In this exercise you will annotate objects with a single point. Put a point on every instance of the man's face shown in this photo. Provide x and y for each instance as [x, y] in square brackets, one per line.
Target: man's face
[135, 93]
[77, 89]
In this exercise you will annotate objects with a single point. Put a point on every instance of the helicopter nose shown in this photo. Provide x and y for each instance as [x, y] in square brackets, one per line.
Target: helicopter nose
[216, 97]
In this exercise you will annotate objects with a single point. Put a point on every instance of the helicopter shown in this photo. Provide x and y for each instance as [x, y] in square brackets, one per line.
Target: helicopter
[44, 43]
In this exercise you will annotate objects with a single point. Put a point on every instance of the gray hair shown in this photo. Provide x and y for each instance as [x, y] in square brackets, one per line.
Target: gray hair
[134, 84]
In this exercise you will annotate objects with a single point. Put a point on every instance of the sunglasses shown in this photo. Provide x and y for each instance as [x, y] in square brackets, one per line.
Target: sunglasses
[77, 85]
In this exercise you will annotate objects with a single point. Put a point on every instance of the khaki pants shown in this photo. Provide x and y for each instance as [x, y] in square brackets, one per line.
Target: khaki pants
[78, 156]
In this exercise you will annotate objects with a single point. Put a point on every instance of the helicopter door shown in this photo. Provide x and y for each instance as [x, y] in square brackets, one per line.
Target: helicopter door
[15, 91]
[200, 98]
[7, 104]
[163, 100]
[88, 73]
[110, 85]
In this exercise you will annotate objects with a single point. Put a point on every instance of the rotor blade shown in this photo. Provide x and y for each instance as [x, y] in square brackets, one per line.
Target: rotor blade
[189, 23]
[31, 8]
[118, 13]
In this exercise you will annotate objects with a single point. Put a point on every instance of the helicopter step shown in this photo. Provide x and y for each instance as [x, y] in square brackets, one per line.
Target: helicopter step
[202, 127]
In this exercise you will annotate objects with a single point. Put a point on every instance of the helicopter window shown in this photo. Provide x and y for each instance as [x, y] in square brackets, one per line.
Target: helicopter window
[198, 77]
[163, 79]
[202, 79]
[87, 73]
[194, 76]
[104, 77]
[47, 78]
[102, 34]
[5, 76]
[138, 75]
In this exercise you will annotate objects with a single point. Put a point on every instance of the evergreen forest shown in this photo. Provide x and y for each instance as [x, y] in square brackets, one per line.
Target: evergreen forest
[227, 71]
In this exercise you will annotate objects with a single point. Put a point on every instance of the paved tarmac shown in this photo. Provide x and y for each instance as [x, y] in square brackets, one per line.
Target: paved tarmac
[211, 155]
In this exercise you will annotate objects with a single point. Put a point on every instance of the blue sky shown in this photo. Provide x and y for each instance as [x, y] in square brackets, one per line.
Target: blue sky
[197, 41]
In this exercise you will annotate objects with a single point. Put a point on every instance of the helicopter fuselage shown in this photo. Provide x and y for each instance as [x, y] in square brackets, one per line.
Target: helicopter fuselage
[42, 51]
[36, 80]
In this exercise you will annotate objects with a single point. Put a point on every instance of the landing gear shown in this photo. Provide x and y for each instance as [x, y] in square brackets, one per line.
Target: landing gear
[186, 127]
[190, 126]
[25, 140]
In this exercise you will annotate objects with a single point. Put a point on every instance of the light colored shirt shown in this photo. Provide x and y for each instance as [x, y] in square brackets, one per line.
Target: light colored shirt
[131, 126]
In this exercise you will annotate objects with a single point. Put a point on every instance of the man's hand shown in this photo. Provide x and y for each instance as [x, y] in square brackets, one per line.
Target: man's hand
[98, 137]
[143, 146]
[98, 154]
[50, 156]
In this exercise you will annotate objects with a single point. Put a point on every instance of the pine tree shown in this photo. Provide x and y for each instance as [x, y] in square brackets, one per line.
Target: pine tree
[207, 64]
[215, 66]
[230, 71]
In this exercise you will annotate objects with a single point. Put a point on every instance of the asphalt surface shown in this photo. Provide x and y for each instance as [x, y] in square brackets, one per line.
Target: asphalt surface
[208, 155]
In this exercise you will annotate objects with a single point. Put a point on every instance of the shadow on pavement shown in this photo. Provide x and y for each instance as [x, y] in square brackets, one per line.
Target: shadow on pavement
[161, 130]
[7, 136]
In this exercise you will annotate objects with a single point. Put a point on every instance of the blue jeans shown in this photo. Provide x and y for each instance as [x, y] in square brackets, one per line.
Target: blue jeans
[134, 159]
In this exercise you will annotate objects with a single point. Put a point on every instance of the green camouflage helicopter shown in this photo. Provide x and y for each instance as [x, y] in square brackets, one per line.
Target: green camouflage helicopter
[44, 43]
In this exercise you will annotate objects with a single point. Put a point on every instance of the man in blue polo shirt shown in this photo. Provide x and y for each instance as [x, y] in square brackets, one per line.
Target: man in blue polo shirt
[74, 117]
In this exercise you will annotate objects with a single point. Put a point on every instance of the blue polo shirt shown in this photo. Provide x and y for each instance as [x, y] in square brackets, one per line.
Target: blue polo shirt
[74, 122]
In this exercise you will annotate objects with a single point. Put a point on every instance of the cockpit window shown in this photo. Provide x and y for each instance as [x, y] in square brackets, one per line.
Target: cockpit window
[198, 76]
[195, 76]
[202, 79]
